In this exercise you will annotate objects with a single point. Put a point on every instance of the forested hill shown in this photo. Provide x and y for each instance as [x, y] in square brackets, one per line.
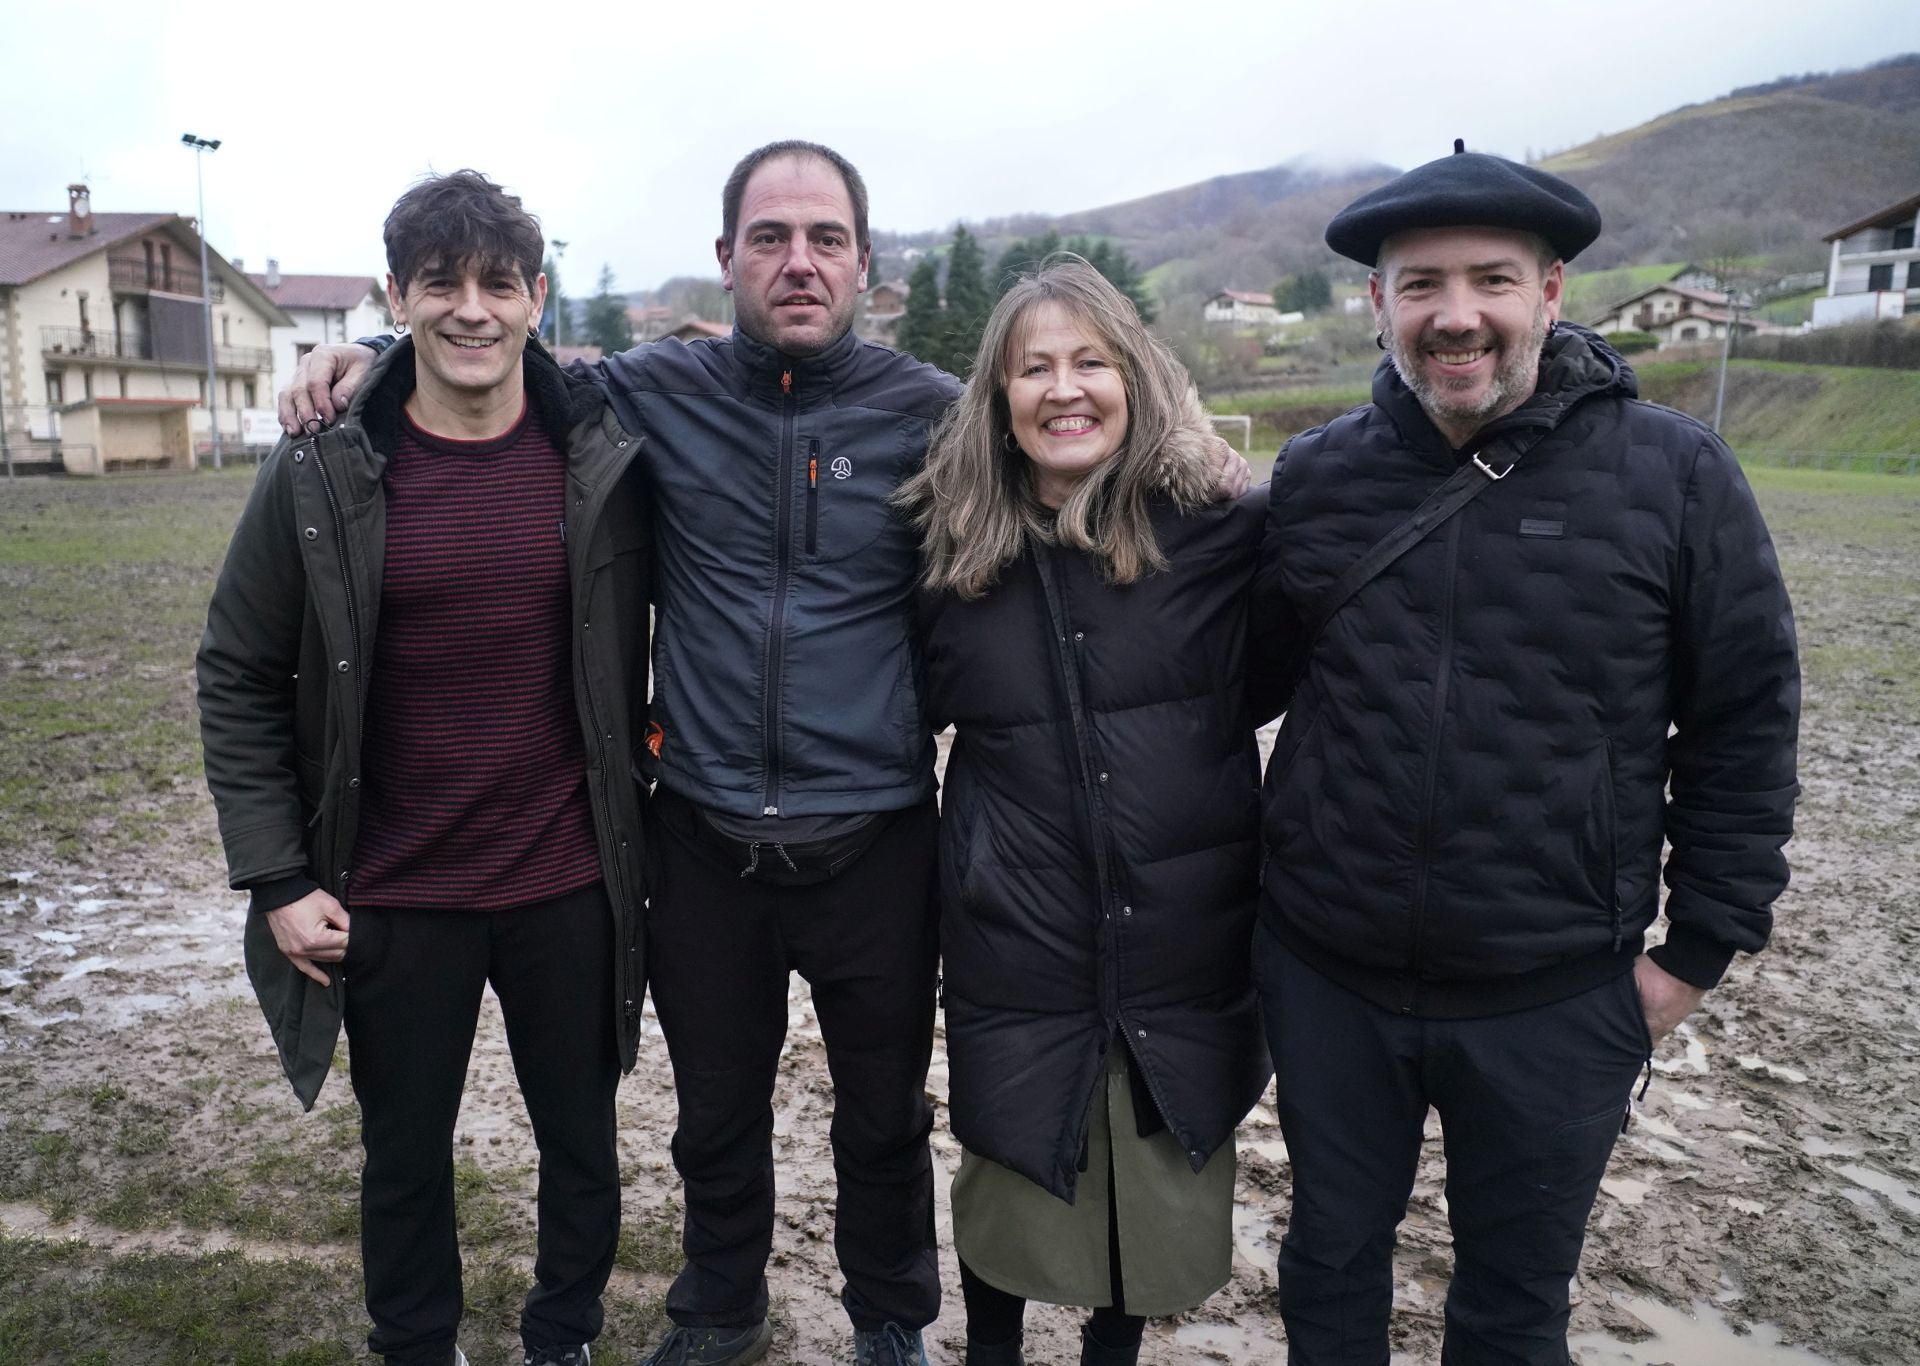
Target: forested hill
[1785, 163]
[1775, 166]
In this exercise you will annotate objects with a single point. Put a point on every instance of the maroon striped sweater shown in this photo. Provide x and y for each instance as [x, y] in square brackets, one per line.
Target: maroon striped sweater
[474, 765]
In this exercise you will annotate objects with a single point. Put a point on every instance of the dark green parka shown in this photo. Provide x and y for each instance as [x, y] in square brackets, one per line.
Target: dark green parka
[290, 632]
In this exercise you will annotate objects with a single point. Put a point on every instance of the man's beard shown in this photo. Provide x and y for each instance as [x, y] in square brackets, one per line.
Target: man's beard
[1513, 379]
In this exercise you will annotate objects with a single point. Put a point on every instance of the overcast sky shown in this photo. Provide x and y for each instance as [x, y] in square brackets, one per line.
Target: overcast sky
[618, 123]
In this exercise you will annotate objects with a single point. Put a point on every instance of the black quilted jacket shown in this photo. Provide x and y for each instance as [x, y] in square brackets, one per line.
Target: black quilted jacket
[1099, 843]
[1466, 807]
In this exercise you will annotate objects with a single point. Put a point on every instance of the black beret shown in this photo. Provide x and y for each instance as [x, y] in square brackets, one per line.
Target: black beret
[1467, 189]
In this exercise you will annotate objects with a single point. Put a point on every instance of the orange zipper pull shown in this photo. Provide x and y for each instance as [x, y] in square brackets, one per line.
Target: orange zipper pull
[813, 472]
[786, 381]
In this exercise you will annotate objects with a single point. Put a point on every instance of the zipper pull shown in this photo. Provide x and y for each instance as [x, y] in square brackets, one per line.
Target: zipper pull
[563, 531]
[786, 382]
[813, 468]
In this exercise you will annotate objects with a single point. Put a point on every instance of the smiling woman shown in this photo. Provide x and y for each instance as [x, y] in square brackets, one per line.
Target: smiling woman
[1084, 630]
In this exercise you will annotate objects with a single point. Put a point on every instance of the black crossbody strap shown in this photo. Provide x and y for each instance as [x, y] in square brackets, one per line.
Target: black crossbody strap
[1461, 487]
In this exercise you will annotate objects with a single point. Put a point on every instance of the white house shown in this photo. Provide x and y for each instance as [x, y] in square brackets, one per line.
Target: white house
[1873, 271]
[103, 339]
[1678, 315]
[324, 308]
[1241, 307]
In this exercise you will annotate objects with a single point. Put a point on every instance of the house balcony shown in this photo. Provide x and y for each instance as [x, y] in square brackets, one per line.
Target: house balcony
[81, 343]
[142, 277]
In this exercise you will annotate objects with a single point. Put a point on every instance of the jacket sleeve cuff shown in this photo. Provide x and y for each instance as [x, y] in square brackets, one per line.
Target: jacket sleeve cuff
[280, 891]
[1692, 957]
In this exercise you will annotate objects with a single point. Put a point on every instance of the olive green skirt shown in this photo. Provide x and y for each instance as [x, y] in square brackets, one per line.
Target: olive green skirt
[1176, 1225]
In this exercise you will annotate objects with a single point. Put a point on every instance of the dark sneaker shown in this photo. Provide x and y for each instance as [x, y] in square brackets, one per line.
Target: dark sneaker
[890, 1346]
[712, 1346]
[558, 1356]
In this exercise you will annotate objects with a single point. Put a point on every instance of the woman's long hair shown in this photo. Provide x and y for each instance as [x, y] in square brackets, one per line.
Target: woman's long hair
[974, 501]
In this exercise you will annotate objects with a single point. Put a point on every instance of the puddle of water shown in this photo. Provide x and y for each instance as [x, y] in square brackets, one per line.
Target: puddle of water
[1751, 1140]
[1255, 1240]
[1745, 1206]
[1897, 1192]
[1699, 1338]
[1225, 1341]
[1693, 1055]
[87, 966]
[1759, 1066]
[56, 936]
[1626, 1190]
[1813, 1145]
[1686, 1100]
[1273, 1149]
[1653, 1124]
[1660, 1148]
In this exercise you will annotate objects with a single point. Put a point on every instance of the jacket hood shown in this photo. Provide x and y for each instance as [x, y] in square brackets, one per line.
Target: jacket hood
[1575, 364]
[561, 402]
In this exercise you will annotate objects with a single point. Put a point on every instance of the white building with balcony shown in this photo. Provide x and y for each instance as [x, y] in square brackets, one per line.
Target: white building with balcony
[103, 339]
[1873, 272]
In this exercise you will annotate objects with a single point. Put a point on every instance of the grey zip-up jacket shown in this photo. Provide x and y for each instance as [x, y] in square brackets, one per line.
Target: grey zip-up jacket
[783, 657]
[289, 638]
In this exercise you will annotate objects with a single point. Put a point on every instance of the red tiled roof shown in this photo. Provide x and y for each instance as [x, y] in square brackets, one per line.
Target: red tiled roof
[700, 327]
[341, 292]
[36, 244]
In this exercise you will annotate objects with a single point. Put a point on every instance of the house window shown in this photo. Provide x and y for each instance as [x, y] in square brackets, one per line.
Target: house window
[226, 330]
[123, 384]
[86, 384]
[301, 350]
[1913, 275]
[253, 395]
[56, 389]
[1880, 277]
[1903, 238]
[166, 267]
[149, 248]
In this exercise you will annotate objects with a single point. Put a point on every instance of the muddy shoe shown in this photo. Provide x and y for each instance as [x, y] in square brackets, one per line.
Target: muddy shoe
[712, 1346]
[558, 1356]
[890, 1346]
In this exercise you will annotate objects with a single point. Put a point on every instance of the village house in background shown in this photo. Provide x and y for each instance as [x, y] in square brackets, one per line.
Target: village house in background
[1679, 315]
[694, 328]
[103, 348]
[1244, 307]
[650, 322]
[886, 305]
[1873, 272]
[324, 308]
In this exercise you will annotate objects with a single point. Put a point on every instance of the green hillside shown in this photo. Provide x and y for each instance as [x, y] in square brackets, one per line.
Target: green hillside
[1773, 408]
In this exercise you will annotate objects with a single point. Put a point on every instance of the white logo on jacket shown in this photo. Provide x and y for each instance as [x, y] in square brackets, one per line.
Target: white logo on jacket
[842, 467]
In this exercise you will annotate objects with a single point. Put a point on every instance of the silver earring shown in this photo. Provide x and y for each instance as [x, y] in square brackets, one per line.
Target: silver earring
[399, 329]
[1380, 340]
[1013, 447]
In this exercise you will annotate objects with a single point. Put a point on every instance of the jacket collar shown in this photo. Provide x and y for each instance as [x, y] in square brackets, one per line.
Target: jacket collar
[812, 378]
[1575, 364]
[560, 402]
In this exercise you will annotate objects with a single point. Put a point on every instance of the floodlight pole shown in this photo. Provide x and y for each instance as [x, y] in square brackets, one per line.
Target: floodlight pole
[201, 146]
[1726, 348]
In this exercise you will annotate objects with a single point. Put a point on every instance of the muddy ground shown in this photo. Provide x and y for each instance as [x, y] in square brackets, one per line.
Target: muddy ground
[1763, 1208]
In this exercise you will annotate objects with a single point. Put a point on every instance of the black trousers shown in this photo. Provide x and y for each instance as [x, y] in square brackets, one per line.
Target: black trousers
[414, 981]
[719, 951]
[1530, 1104]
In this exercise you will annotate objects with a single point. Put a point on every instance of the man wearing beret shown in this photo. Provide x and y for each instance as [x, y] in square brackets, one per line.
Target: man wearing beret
[1545, 633]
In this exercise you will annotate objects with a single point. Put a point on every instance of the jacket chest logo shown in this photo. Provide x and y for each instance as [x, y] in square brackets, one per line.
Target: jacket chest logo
[841, 468]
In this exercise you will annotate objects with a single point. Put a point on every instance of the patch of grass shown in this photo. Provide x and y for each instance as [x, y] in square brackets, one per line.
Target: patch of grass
[1783, 406]
[649, 1247]
[103, 593]
[65, 1303]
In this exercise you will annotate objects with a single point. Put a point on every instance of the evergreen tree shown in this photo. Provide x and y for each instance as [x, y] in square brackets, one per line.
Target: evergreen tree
[919, 334]
[968, 303]
[607, 325]
[1023, 258]
[1308, 292]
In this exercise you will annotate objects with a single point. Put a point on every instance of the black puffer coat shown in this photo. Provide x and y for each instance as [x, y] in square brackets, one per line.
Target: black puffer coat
[1098, 842]
[1465, 809]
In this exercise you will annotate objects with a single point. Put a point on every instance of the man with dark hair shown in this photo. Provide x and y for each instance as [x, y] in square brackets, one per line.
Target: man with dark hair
[1547, 633]
[423, 674]
[794, 822]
